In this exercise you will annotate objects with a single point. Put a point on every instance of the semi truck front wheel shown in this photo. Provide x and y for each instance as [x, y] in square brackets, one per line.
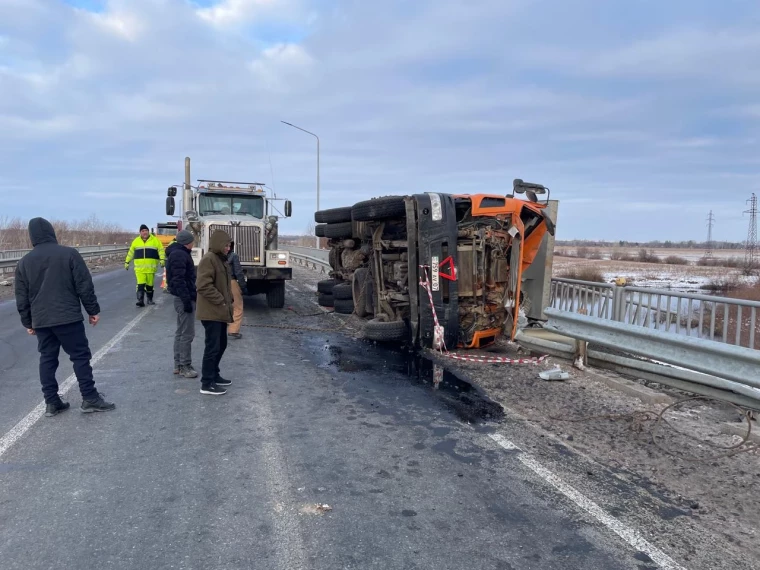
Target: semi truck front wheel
[276, 295]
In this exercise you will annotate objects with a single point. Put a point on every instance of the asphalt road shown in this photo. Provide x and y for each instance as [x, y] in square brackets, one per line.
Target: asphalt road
[173, 479]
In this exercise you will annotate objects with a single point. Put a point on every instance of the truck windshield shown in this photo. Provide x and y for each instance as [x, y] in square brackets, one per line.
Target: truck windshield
[166, 230]
[237, 205]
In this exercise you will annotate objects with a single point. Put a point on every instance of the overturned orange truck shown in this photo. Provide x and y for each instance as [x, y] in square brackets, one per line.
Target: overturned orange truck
[438, 270]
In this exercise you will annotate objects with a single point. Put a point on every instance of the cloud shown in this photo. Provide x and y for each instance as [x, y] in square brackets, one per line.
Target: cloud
[235, 12]
[636, 123]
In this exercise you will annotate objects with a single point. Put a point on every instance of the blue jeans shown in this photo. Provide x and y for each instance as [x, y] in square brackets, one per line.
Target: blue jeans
[74, 342]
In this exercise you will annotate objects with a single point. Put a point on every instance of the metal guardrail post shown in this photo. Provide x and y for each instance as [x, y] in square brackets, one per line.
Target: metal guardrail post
[618, 304]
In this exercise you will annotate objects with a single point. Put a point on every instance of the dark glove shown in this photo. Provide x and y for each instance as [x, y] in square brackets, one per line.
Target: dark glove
[188, 307]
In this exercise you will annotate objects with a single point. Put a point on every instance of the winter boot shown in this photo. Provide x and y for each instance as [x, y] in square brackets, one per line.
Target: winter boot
[149, 291]
[97, 405]
[56, 408]
[140, 296]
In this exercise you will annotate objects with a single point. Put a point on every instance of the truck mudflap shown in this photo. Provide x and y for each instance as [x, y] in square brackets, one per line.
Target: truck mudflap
[436, 238]
[269, 273]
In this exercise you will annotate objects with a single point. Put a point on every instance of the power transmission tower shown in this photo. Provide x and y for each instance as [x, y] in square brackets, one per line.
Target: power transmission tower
[709, 245]
[750, 252]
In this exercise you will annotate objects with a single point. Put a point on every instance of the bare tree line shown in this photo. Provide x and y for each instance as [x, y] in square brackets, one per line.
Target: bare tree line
[14, 232]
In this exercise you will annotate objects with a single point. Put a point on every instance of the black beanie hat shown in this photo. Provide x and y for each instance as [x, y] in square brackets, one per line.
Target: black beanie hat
[143, 227]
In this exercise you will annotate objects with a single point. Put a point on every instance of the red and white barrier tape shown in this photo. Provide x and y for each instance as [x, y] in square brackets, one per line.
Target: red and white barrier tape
[495, 359]
[439, 342]
[440, 345]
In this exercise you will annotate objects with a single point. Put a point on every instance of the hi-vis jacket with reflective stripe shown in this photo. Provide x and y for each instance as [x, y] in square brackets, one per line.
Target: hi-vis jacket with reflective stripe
[147, 254]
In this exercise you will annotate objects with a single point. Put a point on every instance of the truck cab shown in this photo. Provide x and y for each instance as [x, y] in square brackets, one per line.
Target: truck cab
[249, 216]
[166, 232]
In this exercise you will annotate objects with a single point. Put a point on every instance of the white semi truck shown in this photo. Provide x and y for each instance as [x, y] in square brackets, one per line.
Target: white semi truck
[247, 214]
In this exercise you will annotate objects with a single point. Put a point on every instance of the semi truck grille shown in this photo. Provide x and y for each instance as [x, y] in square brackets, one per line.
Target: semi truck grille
[247, 241]
[248, 244]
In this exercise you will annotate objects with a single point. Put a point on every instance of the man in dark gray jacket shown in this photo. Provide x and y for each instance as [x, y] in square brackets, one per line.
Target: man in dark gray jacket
[52, 282]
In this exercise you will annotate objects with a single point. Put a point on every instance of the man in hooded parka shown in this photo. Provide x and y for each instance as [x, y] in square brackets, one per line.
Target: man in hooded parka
[52, 283]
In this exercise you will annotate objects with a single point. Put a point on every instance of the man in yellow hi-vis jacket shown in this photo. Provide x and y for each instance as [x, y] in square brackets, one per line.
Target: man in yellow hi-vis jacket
[148, 252]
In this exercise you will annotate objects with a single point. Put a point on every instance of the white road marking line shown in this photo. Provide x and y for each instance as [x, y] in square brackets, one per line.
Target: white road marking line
[629, 535]
[18, 431]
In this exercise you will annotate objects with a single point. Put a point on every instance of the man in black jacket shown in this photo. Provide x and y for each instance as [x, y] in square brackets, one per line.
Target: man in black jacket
[180, 280]
[52, 282]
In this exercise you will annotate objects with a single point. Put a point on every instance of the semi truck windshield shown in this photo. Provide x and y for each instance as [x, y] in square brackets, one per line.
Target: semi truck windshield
[231, 205]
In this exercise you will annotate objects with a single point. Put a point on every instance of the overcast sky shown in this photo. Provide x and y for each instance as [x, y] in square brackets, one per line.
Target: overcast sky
[641, 116]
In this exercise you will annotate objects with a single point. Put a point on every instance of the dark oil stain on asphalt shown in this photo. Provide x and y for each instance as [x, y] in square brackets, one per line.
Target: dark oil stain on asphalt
[466, 400]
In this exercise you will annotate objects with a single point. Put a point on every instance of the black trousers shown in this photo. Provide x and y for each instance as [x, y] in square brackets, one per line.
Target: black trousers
[74, 342]
[216, 344]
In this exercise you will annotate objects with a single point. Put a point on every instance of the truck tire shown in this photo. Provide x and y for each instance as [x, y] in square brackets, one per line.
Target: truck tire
[276, 295]
[325, 300]
[333, 216]
[343, 291]
[360, 290]
[379, 209]
[344, 306]
[342, 230]
[326, 285]
[385, 331]
[319, 230]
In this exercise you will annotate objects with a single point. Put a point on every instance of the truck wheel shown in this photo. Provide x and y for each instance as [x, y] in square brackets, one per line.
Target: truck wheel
[333, 216]
[319, 230]
[325, 300]
[359, 289]
[385, 331]
[342, 230]
[276, 295]
[343, 291]
[326, 285]
[379, 209]
[344, 306]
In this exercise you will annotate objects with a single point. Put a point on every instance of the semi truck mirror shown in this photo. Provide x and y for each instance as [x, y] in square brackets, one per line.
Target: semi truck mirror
[288, 208]
[170, 206]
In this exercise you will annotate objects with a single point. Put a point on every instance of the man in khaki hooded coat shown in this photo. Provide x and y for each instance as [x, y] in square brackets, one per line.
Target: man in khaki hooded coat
[214, 310]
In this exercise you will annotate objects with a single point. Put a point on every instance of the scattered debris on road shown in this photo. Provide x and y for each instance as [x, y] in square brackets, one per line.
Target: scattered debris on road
[555, 373]
[316, 509]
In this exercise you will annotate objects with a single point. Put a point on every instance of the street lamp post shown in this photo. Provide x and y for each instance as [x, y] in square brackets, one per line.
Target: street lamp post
[316, 137]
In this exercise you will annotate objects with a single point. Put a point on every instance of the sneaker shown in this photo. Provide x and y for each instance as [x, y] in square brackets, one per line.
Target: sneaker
[56, 408]
[176, 368]
[187, 371]
[213, 390]
[235, 335]
[97, 405]
[222, 382]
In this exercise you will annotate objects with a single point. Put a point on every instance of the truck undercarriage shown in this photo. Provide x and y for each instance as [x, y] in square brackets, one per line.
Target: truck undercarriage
[434, 269]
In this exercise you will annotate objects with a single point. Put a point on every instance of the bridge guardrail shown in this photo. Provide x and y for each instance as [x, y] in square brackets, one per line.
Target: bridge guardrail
[10, 258]
[311, 258]
[710, 342]
[730, 321]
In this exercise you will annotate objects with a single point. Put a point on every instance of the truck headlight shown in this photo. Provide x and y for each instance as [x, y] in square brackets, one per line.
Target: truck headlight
[282, 256]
